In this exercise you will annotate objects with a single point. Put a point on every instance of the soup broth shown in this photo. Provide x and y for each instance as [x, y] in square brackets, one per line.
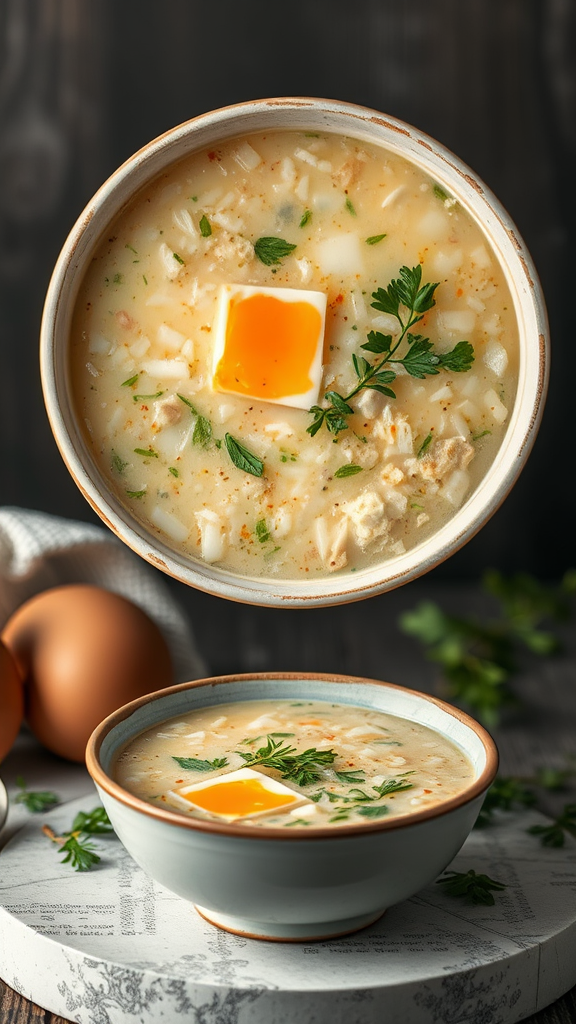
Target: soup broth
[238, 446]
[293, 764]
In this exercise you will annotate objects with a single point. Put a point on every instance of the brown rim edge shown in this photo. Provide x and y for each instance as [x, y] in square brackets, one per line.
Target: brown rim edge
[274, 938]
[116, 791]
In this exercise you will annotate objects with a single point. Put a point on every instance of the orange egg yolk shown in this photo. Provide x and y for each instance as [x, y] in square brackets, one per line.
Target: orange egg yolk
[241, 797]
[269, 349]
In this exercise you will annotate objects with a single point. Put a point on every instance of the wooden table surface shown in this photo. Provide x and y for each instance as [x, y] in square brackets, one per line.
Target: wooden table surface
[361, 639]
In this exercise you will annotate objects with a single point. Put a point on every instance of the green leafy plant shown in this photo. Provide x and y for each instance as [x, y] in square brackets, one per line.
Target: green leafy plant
[406, 299]
[78, 850]
[271, 250]
[194, 764]
[35, 801]
[303, 768]
[555, 833]
[478, 658]
[470, 886]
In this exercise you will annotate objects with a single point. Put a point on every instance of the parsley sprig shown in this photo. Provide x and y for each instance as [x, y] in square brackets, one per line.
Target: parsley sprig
[478, 658]
[468, 885]
[406, 299]
[35, 800]
[302, 768]
[78, 850]
[555, 834]
[195, 764]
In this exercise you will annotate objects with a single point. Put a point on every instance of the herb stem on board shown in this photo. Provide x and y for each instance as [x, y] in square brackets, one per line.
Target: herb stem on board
[473, 888]
[77, 848]
[35, 801]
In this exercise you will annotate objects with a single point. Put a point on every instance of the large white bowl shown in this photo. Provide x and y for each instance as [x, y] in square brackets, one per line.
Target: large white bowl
[287, 884]
[369, 126]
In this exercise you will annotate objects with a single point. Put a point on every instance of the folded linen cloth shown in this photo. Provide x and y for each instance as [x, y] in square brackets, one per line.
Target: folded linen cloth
[39, 550]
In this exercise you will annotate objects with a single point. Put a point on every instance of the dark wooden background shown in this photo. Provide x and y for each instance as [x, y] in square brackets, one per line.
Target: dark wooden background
[84, 83]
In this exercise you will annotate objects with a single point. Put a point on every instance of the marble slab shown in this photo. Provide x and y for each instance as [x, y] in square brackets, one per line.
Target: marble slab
[110, 946]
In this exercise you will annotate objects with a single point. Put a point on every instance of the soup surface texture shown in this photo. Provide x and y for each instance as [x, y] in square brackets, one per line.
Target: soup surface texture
[292, 764]
[294, 354]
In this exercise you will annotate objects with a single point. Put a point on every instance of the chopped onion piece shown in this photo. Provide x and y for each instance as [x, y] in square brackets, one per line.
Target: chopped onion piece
[169, 524]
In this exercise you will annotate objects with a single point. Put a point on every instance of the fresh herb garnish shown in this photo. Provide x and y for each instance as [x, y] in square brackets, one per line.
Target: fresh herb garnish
[356, 775]
[202, 433]
[393, 785]
[79, 852]
[374, 239]
[194, 764]
[345, 471]
[35, 800]
[271, 250]
[483, 433]
[205, 227]
[555, 834]
[406, 299]
[424, 446]
[188, 403]
[117, 463]
[242, 457]
[146, 398]
[132, 249]
[305, 218]
[375, 811]
[471, 887]
[146, 453]
[297, 821]
[263, 534]
[178, 259]
[478, 658]
[173, 471]
[504, 793]
[350, 207]
[131, 380]
[136, 494]
[117, 279]
[303, 768]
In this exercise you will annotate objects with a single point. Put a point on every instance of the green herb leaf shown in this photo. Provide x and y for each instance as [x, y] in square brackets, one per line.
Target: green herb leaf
[374, 811]
[345, 471]
[178, 259]
[148, 453]
[356, 775]
[173, 471]
[263, 534]
[378, 342]
[306, 217]
[143, 398]
[555, 834]
[440, 193]
[504, 793]
[131, 380]
[393, 785]
[424, 446]
[188, 403]
[459, 360]
[483, 433]
[303, 768]
[117, 463]
[136, 494]
[94, 822]
[271, 250]
[374, 239]
[117, 279]
[79, 853]
[350, 207]
[193, 764]
[35, 801]
[243, 458]
[471, 887]
[205, 227]
[202, 434]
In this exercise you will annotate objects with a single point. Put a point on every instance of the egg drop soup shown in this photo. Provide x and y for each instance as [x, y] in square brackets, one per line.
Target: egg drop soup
[293, 355]
[293, 764]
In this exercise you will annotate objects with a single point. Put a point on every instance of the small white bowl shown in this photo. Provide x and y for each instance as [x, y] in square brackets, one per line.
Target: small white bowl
[366, 125]
[282, 884]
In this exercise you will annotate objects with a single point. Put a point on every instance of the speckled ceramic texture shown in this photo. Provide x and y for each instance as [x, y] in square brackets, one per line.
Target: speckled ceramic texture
[295, 884]
[365, 125]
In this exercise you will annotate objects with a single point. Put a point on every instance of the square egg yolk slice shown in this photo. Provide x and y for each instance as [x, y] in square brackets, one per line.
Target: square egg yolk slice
[269, 344]
[236, 795]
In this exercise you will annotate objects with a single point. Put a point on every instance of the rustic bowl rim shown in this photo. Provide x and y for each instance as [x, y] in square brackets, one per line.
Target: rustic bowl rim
[240, 119]
[104, 780]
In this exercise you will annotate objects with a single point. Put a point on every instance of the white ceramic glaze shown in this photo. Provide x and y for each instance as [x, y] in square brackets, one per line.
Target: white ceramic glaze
[277, 884]
[365, 125]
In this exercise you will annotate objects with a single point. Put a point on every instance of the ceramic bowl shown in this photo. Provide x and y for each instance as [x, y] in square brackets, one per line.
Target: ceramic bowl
[365, 125]
[282, 884]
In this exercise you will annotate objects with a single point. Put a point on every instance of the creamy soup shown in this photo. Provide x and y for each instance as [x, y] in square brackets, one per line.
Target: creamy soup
[294, 354]
[293, 764]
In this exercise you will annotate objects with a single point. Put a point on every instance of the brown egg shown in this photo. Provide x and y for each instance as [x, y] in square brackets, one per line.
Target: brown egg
[11, 701]
[83, 652]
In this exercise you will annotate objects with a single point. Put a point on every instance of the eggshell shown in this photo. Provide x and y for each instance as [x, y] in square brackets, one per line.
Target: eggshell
[11, 701]
[83, 652]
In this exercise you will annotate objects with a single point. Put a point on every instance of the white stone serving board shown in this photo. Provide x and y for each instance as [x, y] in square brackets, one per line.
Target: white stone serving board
[110, 946]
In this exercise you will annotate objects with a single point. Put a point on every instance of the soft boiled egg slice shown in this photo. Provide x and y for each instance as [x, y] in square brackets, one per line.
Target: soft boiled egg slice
[269, 344]
[240, 794]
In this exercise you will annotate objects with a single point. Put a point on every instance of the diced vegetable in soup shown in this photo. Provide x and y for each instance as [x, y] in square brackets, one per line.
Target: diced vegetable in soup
[293, 764]
[294, 354]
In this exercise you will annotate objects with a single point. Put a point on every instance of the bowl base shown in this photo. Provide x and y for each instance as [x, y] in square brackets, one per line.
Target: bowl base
[275, 931]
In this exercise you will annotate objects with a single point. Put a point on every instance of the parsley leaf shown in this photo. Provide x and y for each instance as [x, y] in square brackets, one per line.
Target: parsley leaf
[471, 887]
[374, 239]
[92, 822]
[306, 217]
[205, 226]
[345, 471]
[178, 259]
[271, 250]
[263, 534]
[202, 434]
[303, 768]
[131, 380]
[424, 446]
[243, 458]
[356, 775]
[555, 834]
[35, 800]
[148, 453]
[194, 764]
[374, 811]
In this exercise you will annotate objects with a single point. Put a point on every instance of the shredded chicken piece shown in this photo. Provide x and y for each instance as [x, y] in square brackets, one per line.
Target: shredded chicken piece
[444, 456]
[167, 412]
[367, 515]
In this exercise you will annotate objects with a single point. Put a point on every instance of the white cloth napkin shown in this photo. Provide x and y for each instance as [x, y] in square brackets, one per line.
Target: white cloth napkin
[38, 551]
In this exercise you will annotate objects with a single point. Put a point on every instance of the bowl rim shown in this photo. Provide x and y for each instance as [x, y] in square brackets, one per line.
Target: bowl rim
[143, 167]
[239, 831]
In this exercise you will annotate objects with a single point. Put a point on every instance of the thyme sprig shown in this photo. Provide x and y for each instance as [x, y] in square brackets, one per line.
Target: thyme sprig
[555, 833]
[470, 886]
[35, 801]
[406, 299]
[302, 768]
